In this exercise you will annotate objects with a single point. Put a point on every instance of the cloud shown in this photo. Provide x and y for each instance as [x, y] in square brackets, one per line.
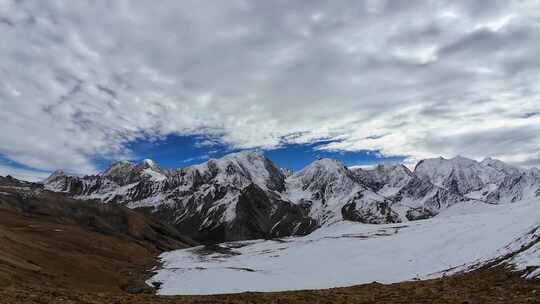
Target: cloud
[82, 79]
[23, 174]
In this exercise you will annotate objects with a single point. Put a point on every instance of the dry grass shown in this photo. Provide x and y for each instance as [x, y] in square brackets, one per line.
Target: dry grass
[483, 286]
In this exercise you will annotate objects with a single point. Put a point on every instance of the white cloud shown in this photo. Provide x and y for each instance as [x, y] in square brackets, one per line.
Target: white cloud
[82, 79]
[23, 174]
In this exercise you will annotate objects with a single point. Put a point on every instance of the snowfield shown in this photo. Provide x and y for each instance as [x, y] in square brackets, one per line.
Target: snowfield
[348, 253]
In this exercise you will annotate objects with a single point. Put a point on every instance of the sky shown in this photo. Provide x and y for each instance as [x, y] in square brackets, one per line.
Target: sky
[86, 82]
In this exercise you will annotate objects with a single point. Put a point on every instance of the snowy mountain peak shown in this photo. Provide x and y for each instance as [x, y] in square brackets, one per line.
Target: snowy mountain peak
[385, 179]
[460, 158]
[398, 168]
[55, 175]
[148, 163]
[59, 172]
[56, 181]
[204, 197]
[323, 172]
[118, 167]
[245, 155]
[326, 185]
[124, 172]
[241, 169]
[500, 166]
[490, 180]
[441, 163]
[461, 174]
[326, 164]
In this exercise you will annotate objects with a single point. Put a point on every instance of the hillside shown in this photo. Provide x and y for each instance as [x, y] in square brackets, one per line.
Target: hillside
[52, 241]
[494, 286]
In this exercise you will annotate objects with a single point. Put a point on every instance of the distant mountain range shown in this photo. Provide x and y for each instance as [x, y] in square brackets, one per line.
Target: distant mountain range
[246, 196]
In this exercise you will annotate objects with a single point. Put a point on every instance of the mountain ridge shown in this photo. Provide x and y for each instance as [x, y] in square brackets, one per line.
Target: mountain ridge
[204, 199]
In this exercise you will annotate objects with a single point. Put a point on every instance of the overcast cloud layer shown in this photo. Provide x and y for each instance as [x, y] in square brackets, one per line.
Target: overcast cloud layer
[80, 79]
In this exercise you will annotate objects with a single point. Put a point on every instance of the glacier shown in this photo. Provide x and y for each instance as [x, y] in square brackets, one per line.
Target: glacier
[462, 238]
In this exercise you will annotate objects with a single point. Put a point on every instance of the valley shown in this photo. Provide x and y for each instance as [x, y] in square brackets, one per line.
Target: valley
[234, 227]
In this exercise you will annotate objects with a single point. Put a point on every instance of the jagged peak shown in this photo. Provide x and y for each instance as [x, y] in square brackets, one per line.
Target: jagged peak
[493, 161]
[327, 162]
[462, 159]
[324, 166]
[242, 155]
[392, 167]
[242, 167]
[148, 164]
[118, 165]
[444, 163]
[54, 175]
[245, 159]
[501, 166]
[382, 167]
[58, 172]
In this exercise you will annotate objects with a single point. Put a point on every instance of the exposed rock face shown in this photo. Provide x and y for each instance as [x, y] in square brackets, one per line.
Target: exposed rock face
[461, 174]
[245, 196]
[369, 212]
[385, 179]
[260, 214]
[325, 186]
[411, 197]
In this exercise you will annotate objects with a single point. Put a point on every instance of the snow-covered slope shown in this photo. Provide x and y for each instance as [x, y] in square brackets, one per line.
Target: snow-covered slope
[462, 237]
[461, 174]
[491, 180]
[332, 193]
[411, 197]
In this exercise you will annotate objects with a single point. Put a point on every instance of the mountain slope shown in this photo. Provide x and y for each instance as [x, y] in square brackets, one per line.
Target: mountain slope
[332, 193]
[410, 197]
[491, 180]
[203, 200]
[200, 200]
[51, 240]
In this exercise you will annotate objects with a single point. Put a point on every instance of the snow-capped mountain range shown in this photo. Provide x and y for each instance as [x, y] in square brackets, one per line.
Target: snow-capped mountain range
[246, 196]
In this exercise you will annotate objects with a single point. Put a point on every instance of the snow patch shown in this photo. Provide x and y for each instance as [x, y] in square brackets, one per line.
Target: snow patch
[355, 253]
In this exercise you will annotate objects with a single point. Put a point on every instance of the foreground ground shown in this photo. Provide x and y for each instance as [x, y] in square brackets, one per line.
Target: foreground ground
[482, 286]
[51, 241]
[55, 250]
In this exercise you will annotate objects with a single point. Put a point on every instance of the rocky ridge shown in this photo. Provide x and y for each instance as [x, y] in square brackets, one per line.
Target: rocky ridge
[245, 196]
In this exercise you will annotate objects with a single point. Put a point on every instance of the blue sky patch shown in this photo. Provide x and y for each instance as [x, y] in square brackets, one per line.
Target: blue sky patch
[181, 151]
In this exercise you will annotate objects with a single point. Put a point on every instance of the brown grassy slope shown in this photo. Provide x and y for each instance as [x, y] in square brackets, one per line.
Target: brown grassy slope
[51, 241]
[482, 286]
